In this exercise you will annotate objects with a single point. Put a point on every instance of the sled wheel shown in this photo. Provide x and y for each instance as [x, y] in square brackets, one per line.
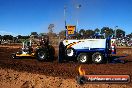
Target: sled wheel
[83, 58]
[97, 58]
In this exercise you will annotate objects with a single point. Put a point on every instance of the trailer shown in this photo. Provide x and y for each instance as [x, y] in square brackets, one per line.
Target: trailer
[86, 50]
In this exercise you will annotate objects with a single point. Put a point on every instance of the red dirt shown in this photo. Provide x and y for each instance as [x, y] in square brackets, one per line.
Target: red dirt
[63, 70]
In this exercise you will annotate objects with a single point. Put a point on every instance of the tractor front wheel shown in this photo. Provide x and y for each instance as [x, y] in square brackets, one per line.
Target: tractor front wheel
[13, 55]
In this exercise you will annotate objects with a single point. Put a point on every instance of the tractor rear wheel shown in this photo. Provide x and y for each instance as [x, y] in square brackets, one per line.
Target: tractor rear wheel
[41, 55]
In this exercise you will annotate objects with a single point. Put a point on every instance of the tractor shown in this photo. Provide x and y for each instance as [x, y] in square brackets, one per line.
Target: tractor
[43, 52]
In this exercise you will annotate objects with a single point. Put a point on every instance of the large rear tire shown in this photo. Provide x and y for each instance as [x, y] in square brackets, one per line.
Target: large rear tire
[41, 55]
[97, 58]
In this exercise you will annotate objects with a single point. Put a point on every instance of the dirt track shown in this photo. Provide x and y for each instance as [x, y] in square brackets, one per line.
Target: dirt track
[64, 70]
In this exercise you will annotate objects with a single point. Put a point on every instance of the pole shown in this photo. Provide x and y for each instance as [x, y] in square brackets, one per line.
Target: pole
[115, 31]
[78, 7]
[65, 20]
[77, 25]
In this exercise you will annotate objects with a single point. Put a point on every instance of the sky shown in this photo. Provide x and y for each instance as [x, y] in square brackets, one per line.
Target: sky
[26, 16]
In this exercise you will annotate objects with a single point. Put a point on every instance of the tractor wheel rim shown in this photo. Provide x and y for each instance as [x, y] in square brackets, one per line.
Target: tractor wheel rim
[41, 55]
[98, 58]
[83, 58]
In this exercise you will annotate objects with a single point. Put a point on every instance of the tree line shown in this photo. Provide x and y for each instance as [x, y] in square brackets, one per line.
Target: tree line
[104, 32]
[83, 32]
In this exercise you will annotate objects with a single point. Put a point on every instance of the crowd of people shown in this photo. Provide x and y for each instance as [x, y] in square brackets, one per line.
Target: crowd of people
[124, 41]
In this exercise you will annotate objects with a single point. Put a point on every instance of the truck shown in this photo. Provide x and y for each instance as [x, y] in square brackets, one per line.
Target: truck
[86, 50]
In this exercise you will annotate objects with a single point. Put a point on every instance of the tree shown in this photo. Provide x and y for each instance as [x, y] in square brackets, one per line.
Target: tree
[8, 37]
[19, 37]
[0, 37]
[107, 31]
[25, 37]
[34, 33]
[62, 34]
[51, 28]
[104, 29]
[89, 33]
[78, 36]
[129, 35]
[42, 34]
[96, 30]
[82, 32]
[120, 33]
